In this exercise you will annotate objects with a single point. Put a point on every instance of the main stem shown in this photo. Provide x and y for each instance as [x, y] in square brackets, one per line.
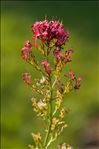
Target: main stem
[50, 107]
[50, 116]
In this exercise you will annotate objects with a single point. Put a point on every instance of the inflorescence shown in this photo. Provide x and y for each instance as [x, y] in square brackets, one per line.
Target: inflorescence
[49, 38]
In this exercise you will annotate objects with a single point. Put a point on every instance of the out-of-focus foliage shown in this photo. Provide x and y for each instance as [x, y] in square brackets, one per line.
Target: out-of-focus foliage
[17, 118]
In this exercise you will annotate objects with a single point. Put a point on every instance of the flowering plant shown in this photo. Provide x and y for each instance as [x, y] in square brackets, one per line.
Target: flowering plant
[49, 38]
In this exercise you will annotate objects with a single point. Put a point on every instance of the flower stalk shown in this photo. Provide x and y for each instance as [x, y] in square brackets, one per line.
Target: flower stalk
[50, 88]
[50, 117]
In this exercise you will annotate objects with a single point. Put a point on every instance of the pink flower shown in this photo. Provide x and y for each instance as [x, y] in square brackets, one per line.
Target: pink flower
[27, 78]
[68, 55]
[40, 29]
[57, 54]
[72, 75]
[58, 32]
[46, 66]
[25, 52]
[78, 83]
[46, 31]
[28, 44]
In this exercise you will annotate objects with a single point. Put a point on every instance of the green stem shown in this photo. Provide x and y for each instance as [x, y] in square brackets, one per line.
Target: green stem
[50, 107]
[50, 119]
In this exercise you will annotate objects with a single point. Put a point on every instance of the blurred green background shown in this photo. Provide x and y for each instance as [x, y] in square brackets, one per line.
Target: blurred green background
[17, 118]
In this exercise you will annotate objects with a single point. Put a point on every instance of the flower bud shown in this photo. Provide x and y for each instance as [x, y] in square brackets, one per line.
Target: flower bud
[46, 66]
[25, 52]
[78, 83]
[27, 78]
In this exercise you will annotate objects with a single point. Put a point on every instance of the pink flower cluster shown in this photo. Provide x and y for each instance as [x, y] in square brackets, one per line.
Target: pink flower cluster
[72, 75]
[46, 66]
[25, 52]
[27, 78]
[66, 57]
[48, 30]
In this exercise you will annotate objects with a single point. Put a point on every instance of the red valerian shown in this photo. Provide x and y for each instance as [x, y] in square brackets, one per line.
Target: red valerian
[49, 30]
[27, 78]
[46, 66]
[25, 52]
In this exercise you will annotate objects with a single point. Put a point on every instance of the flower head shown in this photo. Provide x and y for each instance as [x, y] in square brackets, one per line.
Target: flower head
[25, 52]
[46, 66]
[27, 78]
[28, 44]
[58, 32]
[72, 75]
[48, 30]
[40, 29]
